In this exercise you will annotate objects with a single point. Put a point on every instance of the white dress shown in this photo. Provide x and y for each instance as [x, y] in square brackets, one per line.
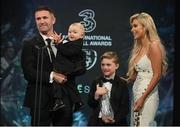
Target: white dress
[145, 117]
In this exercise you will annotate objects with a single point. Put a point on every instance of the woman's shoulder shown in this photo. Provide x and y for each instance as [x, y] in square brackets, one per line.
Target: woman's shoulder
[154, 50]
[154, 43]
[154, 46]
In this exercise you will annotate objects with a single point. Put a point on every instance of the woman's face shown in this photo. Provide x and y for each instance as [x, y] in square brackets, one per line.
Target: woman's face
[137, 29]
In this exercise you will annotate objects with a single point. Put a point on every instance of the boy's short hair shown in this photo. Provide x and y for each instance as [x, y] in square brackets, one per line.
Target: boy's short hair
[110, 55]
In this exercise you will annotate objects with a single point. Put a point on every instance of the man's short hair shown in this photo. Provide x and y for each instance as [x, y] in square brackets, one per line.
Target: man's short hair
[44, 8]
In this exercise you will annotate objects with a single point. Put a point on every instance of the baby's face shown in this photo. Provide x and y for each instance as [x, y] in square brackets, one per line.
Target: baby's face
[75, 33]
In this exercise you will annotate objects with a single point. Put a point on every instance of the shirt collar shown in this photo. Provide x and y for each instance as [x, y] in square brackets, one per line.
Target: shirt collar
[45, 37]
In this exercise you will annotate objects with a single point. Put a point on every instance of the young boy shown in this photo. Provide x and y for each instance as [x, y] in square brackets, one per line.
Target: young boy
[109, 83]
[70, 60]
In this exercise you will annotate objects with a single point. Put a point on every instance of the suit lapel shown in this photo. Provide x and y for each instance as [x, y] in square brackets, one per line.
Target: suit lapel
[41, 43]
[114, 87]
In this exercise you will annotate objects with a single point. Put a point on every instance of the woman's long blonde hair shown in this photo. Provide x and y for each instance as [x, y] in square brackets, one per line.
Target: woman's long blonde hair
[151, 33]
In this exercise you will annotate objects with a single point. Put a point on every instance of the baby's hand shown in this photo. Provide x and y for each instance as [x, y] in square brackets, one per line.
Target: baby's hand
[57, 38]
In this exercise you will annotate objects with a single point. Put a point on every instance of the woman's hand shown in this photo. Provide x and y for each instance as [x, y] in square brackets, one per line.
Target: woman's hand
[139, 104]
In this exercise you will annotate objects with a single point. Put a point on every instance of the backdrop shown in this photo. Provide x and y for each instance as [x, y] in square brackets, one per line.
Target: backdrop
[107, 29]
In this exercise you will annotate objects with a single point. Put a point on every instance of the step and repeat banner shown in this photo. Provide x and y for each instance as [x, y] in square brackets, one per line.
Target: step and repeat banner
[107, 29]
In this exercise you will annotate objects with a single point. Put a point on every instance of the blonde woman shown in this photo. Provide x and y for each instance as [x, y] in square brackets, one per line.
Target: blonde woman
[147, 63]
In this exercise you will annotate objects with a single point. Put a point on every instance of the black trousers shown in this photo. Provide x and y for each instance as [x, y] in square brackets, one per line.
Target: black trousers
[43, 117]
[46, 118]
[73, 92]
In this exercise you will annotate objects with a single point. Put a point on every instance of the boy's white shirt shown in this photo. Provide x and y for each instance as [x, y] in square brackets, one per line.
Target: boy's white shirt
[65, 41]
[108, 85]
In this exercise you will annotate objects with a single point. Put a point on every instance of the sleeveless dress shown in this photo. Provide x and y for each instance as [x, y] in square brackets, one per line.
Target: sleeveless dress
[145, 117]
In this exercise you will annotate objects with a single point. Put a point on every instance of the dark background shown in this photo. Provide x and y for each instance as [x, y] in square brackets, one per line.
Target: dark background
[112, 20]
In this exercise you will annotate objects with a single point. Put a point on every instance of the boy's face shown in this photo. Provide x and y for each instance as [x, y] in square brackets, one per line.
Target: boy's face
[108, 67]
[75, 33]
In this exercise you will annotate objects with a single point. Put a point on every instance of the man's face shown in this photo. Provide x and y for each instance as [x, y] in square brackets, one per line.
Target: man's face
[44, 21]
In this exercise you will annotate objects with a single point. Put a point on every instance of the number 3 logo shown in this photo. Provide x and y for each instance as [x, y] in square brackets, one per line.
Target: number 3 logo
[88, 20]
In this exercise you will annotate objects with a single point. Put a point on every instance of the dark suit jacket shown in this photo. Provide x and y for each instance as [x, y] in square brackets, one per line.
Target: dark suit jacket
[69, 56]
[29, 61]
[119, 100]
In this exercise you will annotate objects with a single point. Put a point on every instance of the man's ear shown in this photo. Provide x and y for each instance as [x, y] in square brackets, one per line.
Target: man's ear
[117, 66]
[54, 19]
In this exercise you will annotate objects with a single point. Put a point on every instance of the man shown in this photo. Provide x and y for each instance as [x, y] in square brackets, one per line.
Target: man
[37, 65]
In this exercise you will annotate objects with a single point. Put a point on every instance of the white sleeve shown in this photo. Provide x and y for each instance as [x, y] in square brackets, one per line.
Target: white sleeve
[51, 77]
